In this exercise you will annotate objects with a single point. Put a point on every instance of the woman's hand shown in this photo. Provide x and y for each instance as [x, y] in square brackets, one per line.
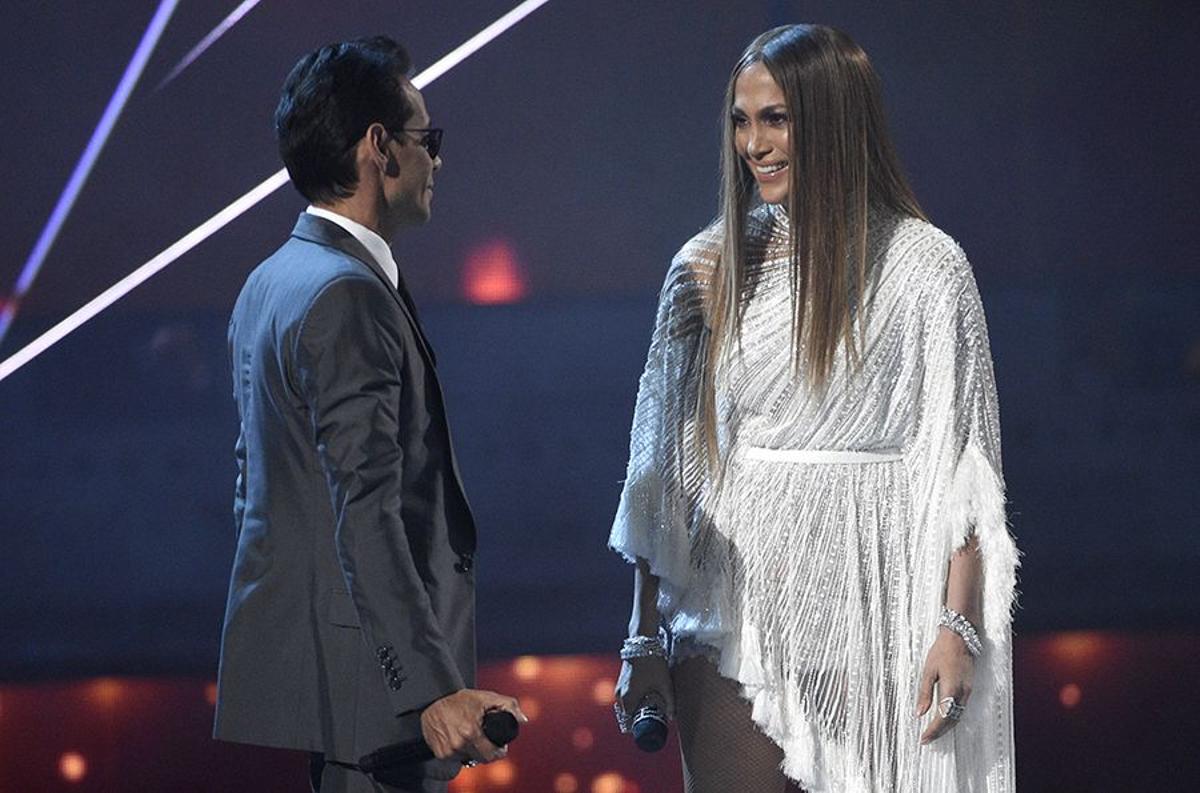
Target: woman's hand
[639, 677]
[952, 668]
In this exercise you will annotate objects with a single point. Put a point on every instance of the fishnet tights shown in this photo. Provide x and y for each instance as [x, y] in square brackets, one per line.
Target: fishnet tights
[723, 751]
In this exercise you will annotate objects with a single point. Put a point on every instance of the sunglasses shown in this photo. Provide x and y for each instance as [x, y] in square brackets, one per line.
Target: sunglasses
[430, 139]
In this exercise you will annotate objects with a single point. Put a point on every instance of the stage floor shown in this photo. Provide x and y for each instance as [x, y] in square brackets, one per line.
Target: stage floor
[1096, 711]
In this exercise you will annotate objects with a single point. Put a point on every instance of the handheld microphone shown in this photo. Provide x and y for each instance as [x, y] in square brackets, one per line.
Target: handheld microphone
[499, 726]
[650, 723]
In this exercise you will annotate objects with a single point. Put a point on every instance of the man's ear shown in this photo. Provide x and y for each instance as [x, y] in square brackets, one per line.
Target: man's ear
[377, 136]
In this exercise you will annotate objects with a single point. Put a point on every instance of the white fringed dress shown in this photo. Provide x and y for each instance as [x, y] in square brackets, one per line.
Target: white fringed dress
[815, 573]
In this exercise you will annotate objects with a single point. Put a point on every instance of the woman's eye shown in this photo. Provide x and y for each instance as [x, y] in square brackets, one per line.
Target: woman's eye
[777, 119]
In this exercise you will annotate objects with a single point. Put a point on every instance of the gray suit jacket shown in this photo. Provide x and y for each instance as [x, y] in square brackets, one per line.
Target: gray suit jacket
[351, 603]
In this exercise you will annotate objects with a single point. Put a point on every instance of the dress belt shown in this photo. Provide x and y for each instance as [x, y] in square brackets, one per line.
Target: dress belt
[822, 456]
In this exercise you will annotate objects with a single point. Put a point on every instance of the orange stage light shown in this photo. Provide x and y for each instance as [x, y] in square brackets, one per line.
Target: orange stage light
[531, 706]
[566, 783]
[1079, 648]
[571, 672]
[583, 738]
[492, 274]
[467, 780]
[72, 766]
[1070, 695]
[527, 667]
[602, 691]
[610, 782]
[501, 773]
[105, 692]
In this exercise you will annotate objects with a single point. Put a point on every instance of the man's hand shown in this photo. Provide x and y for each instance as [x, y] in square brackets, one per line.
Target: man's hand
[452, 726]
[952, 668]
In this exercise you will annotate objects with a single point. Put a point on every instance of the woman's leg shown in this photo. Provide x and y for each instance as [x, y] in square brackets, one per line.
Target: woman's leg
[723, 750]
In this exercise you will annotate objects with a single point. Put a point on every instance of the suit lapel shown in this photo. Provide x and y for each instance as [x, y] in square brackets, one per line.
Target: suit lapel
[408, 303]
[323, 232]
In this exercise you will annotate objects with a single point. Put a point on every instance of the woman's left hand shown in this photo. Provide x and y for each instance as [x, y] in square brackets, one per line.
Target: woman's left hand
[952, 668]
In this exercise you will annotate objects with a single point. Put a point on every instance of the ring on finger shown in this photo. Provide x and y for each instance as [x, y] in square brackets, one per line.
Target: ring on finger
[950, 708]
[624, 721]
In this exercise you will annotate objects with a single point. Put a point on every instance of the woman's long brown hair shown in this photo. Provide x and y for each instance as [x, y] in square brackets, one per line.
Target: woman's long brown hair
[842, 163]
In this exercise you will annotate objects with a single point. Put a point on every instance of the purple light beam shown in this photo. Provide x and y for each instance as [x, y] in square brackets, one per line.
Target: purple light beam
[220, 30]
[241, 205]
[83, 168]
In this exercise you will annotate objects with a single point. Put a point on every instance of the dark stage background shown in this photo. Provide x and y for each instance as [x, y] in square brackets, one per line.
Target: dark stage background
[1053, 141]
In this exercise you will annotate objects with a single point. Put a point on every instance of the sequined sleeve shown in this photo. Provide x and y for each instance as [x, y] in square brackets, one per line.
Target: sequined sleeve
[974, 504]
[665, 477]
[960, 441]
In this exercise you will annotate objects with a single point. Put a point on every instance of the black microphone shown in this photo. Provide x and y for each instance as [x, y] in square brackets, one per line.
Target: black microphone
[650, 723]
[499, 726]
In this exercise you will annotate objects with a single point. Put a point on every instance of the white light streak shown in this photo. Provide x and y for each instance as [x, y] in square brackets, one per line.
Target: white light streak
[220, 30]
[141, 274]
[227, 215]
[476, 42]
[83, 168]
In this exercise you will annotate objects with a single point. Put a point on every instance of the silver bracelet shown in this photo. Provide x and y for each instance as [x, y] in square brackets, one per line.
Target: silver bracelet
[956, 622]
[642, 647]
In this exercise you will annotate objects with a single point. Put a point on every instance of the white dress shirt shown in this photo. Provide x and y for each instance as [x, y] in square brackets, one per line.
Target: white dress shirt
[376, 245]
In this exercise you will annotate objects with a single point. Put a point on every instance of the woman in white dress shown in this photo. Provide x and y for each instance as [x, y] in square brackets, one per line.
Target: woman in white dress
[814, 499]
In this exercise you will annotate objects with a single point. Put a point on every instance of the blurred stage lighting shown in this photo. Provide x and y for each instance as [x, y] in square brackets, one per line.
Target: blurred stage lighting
[105, 729]
[72, 766]
[1070, 695]
[493, 275]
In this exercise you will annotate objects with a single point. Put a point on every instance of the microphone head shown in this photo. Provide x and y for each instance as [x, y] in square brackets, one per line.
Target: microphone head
[650, 729]
[500, 727]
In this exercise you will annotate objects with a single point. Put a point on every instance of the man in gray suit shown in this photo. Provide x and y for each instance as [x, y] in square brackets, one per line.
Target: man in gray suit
[350, 623]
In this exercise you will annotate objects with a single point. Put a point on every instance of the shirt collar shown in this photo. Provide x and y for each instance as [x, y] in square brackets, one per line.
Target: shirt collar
[376, 245]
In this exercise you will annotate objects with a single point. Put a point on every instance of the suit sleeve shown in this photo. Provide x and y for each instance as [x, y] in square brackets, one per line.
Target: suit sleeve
[350, 352]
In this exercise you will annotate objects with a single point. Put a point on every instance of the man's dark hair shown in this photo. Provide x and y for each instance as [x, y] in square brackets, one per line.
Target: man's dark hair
[329, 99]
